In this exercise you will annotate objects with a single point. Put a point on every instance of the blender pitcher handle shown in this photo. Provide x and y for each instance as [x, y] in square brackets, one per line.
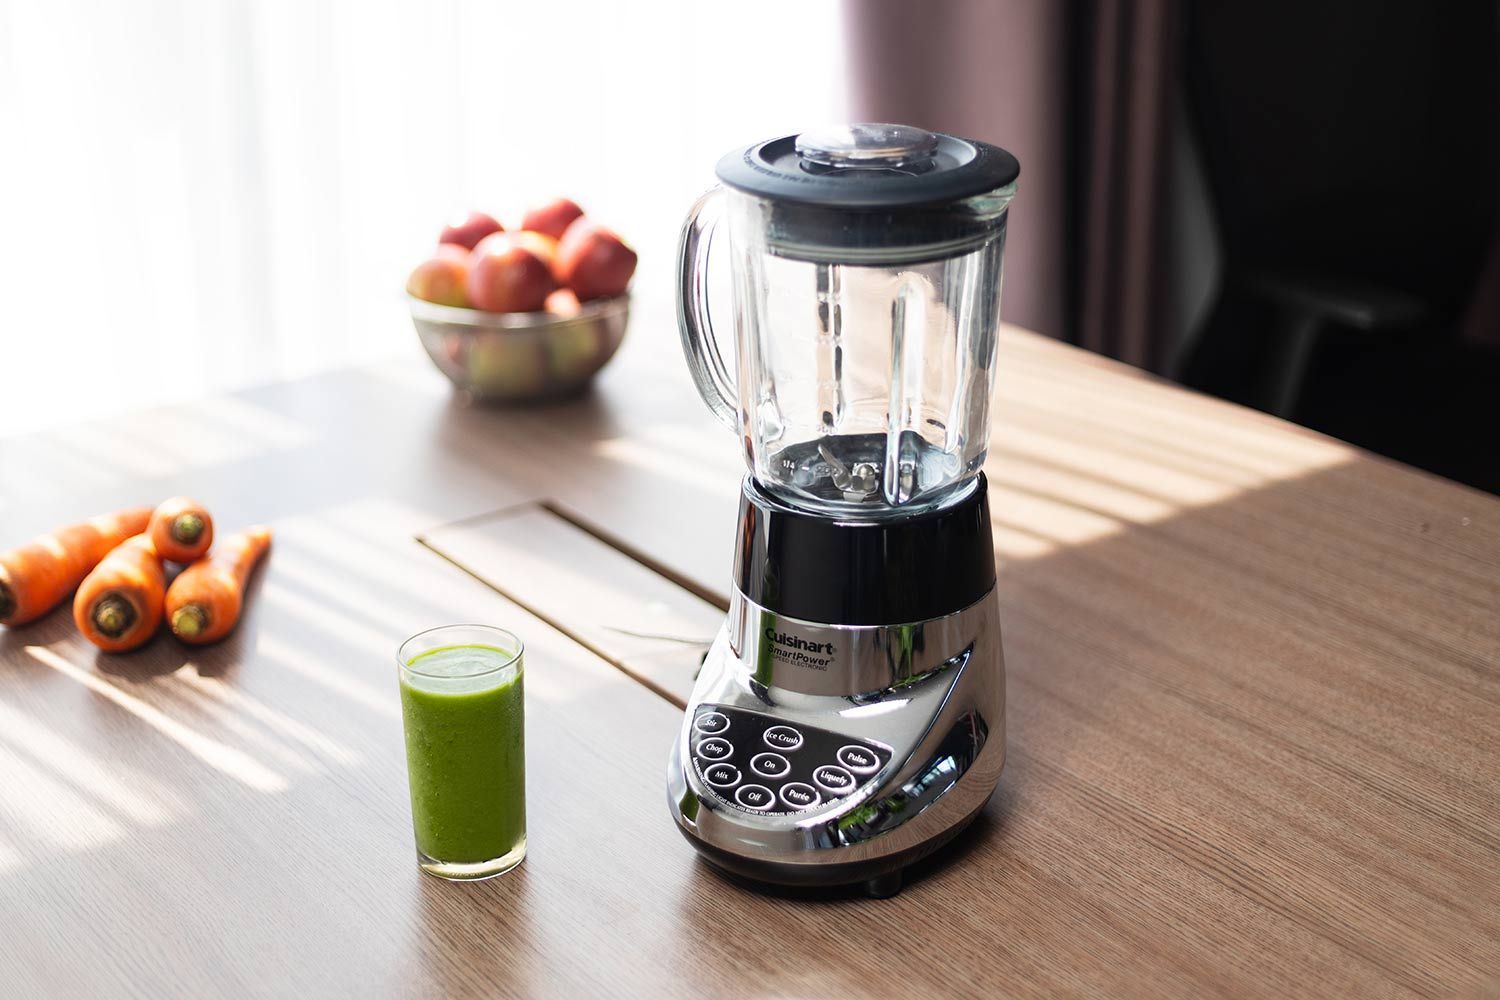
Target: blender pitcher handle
[699, 344]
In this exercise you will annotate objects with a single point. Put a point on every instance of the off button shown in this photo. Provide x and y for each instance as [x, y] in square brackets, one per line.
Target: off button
[757, 797]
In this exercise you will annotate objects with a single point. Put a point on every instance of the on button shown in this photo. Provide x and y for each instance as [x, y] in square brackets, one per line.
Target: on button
[770, 765]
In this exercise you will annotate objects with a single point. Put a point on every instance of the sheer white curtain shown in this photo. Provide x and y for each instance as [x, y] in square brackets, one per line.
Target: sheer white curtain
[197, 195]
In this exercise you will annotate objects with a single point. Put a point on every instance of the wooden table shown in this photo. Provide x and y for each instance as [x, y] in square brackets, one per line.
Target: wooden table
[1254, 721]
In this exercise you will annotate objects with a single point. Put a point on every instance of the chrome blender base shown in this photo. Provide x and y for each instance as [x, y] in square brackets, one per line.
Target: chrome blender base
[934, 745]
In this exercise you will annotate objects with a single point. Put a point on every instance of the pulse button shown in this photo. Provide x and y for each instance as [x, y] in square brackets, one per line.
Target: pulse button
[860, 760]
[832, 778]
[711, 722]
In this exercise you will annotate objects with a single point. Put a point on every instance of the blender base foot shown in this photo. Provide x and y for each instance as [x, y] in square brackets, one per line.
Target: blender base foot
[883, 886]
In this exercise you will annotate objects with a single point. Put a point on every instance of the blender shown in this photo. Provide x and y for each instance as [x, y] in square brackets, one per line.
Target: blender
[849, 718]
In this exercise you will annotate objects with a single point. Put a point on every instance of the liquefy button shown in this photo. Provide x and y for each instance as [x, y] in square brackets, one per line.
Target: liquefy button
[770, 765]
[783, 738]
[722, 775]
[711, 722]
[832, 778]
[757, 797]
[714, 748]
[860, 760]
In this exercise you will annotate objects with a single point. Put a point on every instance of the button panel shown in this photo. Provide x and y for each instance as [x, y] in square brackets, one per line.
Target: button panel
[762, 764]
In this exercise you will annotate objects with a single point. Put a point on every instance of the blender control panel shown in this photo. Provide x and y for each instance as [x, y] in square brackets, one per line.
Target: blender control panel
[763, 764]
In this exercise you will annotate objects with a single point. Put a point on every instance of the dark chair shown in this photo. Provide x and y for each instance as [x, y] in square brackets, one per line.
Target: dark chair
[1352, 153]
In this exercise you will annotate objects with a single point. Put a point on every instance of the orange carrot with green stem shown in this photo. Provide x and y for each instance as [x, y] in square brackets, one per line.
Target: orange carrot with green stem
[204, 602]
[38, 576]
[181, 529]
[118, 605]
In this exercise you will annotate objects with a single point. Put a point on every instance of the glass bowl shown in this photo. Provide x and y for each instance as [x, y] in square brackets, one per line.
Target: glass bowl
[520, 357]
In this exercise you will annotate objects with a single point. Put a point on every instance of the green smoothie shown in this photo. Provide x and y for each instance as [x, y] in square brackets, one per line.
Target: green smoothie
[465, 753]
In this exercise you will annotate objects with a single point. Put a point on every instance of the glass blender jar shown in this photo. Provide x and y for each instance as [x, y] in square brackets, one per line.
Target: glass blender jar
[867, 273]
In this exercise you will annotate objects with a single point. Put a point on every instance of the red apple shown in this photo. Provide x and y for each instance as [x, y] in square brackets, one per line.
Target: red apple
[505, 276]
[563, 302]
[593, 261]
[453, 251]
[441, 279]
[540, 244]
[553, 218]
[470, 231]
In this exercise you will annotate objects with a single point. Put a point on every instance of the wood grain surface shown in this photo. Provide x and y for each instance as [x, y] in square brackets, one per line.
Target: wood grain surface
[1254, 728]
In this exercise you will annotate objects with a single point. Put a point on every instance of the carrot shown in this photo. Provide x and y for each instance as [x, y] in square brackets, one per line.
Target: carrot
[118, 605]
[204, 602]
[36, 577]
[181, 529]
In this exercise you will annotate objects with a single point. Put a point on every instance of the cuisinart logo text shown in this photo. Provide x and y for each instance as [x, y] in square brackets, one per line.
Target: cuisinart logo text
[795, 649]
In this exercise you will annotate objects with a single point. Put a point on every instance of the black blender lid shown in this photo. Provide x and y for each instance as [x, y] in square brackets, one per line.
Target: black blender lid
[868, 166]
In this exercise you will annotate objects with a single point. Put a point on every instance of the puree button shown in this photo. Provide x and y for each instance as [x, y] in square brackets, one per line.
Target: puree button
[711, 722]
[757, 797]
[832, 778]
[722, 775]
[798, 795]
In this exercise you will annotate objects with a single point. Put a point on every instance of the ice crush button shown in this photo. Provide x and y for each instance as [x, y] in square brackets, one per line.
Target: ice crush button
[797, 795]
[832, 778]
[714, 748]
[770, 765]
[722, 775]
[860, 760]
[783, 738]
[757, 797]
[711, 722]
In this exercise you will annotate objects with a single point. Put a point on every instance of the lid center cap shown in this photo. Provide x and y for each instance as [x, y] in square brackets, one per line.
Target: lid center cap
[867, 145]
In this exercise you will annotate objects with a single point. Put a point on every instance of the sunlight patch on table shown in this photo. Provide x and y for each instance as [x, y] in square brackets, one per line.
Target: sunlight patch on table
[226, 759]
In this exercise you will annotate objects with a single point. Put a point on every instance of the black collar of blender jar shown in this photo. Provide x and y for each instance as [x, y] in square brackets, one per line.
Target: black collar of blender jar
[961, 168]
[793, 562]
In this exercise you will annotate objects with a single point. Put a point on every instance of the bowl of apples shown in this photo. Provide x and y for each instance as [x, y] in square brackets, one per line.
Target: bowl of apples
[523, 315]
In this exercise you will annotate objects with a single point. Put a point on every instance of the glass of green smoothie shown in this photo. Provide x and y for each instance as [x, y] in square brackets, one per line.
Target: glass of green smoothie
[462, 707]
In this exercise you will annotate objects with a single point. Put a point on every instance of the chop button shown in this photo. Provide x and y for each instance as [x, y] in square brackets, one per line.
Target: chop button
[832, 778]
[722, 775]
[770, 765]
[711, 722]
[714, 748]
[798, 795]
[783, 738]
[860, 760]
[757, 797]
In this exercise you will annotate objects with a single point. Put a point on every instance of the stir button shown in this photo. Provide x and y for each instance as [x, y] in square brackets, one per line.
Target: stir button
[722, 775]
[711, 722]
[832, 778]
[714, 748]
[860, 760]
[757, 797]
[783, 738]
[770, 765]
[798, 795]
